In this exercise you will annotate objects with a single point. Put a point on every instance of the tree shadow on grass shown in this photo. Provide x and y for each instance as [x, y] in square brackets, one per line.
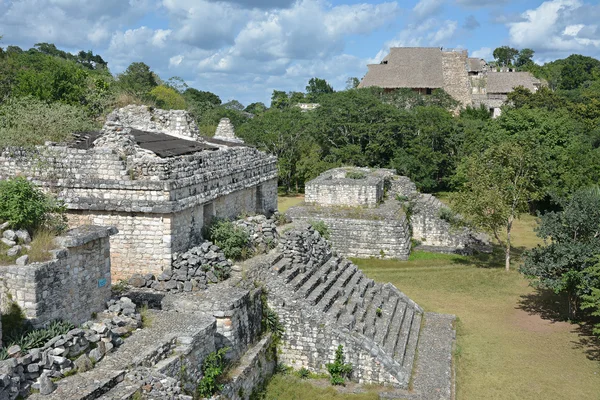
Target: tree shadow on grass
[554, 307]
[494, 259]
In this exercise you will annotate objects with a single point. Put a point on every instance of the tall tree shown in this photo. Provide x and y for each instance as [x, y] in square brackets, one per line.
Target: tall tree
[137, 79]
[571, 244]
[505, 55]
[499, 185]
[317, 87]
[352, 83]
[524, 57]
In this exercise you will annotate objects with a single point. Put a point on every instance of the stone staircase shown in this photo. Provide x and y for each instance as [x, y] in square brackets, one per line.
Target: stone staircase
[332, 291]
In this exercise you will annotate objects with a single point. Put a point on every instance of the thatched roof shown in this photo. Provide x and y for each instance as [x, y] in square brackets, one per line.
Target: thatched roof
[505, 82]
[407, 67]
[475, 64]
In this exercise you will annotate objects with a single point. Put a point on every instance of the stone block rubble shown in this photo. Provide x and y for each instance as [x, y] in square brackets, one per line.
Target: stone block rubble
[190, 271]
[77, 350]
[17, 241]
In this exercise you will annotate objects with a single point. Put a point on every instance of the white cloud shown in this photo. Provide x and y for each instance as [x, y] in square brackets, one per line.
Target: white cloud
[557, 27]
[427, 8]
[484, 52]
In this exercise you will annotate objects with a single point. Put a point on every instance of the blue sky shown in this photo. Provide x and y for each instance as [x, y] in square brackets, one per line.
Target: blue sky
[244, 49]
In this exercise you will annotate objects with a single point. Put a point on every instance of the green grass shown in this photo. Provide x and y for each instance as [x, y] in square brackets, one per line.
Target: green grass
[285, 202]
[292, 387]
[512, 341]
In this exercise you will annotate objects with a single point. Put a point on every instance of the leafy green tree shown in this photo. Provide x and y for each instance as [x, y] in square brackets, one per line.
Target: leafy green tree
[591, 299]
[577, 69]
[256, 108]
[201, 96]
[505, 55]
[137, 79]
[317, 87]
[498, 186]
[571, 243]
[279, 99]
[168, 98]
[233, 105]
[524, 57]
[352, 83]
[282, 133]
[522, 97]
[177, 83]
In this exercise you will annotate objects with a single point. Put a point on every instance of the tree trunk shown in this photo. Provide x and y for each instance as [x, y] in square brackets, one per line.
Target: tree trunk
[573, 305]
[507, 250]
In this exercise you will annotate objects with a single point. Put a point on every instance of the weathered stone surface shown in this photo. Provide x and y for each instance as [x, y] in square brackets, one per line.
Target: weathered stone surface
[83, 363]
[23, 260]
[23, 236]
[9, 234]
[46, 385]
[14, 251]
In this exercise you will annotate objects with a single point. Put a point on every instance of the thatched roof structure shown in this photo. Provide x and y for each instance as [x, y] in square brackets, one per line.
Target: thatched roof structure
[407, 67]
[475, 64]
[506, 82]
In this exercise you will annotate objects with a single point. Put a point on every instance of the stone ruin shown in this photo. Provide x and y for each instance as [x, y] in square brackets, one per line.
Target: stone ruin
[225, 131]
[376, 213]
[160, 190]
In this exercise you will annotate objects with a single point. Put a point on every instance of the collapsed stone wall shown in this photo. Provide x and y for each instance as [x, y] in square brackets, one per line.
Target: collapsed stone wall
[336, 188]
[172, 122]
[70, 287]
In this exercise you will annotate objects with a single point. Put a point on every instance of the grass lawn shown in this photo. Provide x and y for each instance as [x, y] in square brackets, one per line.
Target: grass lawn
[285, 202]
[512, 341]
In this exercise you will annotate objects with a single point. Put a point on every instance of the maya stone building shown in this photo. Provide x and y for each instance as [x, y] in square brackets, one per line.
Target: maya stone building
[470, 81]
[376, 213]
[150, 174]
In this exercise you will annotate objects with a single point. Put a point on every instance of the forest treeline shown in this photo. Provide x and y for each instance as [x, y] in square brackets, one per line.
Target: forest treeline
[46, 93]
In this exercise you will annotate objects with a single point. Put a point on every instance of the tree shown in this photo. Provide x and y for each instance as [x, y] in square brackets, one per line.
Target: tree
[233, 105]
[524, 57]
[352, 83]
[137, 79]
[317, 87]
[168, 98]
[279, 99]
[571, 243]
[177, 83]
[201, 96]
[577, 69]
[499, 185]
[256, 108]
[505, 55]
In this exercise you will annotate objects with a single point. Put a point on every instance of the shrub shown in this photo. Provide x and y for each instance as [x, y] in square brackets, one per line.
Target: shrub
[213, 368]
[42, 243]
[339, 370]
[168, 98]
[321, 227]
[27, 122]
[355, 175]
[449, 216]
[303, 373]
[232, 239]
[24, 206]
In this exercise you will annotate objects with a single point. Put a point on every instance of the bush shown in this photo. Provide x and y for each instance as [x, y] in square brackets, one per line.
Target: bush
[27, 122]
[232, 239]
[213, 368]
[355, 175]
[322, 228]
[24, 206]
[339, 370]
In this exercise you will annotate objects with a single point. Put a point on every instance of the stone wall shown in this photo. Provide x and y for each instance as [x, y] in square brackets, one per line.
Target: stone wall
[336, 188]
[72, 286]
[456, 80]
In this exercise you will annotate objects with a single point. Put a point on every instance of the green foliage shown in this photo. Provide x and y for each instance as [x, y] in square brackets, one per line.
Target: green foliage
[303, 373]
[213, 368]
[137, 79]
[505, 55]
[339, 370]
[322, 228]
[317, 87]
[378, 312]
[256, 108]
[591, 299]
[498, 186]
[355, 175]
[448, 215]
[168, 98]
[25, 206]
[565, 263]
[231, 238]
[27, 121]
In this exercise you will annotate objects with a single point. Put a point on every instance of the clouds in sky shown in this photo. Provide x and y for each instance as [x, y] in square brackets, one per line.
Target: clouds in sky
[246, 48]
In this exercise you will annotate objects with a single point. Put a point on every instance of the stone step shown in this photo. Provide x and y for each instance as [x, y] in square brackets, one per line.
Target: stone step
[351, 287]
[301, 279]
[281, 265]
[402, 343]
[389, 344]
[326, 284]
[316, 279]
[338, 287]
[292, 271]
[383, 322]
[366, 326]
[411, 347]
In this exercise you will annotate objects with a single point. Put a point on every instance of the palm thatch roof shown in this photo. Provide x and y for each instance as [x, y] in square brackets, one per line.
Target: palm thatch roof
[475, 64]
[407, 67]
[505, 82]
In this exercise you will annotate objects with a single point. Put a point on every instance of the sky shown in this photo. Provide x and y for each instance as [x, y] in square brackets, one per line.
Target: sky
[245, 49]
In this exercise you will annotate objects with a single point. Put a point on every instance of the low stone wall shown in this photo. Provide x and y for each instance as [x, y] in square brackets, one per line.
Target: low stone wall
[336, 188]
[72, 286]
[252, 372]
